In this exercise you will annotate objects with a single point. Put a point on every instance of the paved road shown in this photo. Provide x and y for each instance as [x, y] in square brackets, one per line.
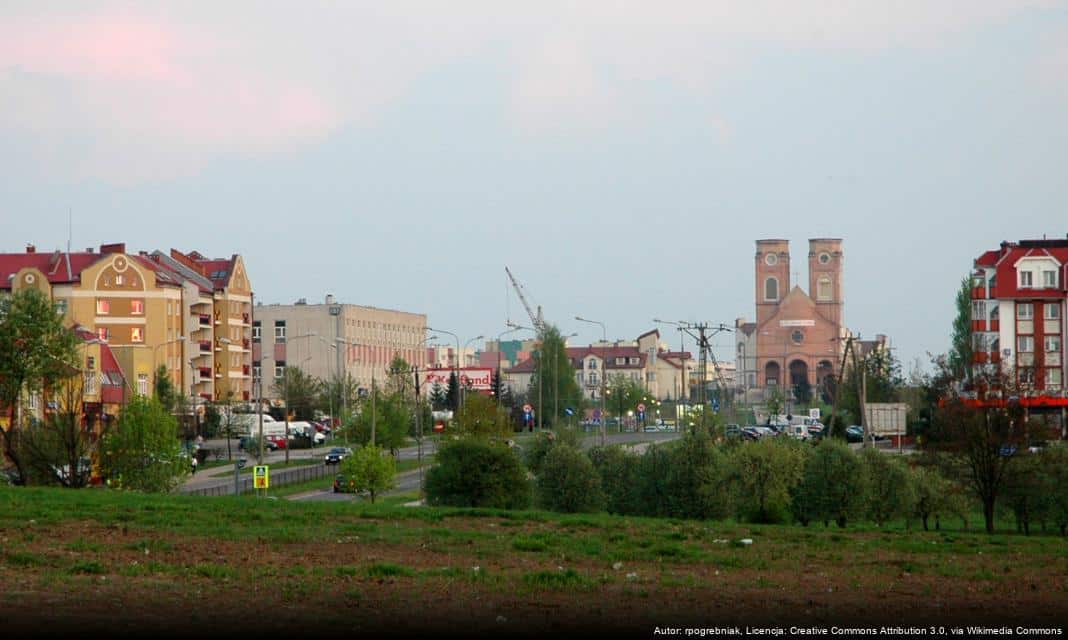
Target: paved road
[408, 481]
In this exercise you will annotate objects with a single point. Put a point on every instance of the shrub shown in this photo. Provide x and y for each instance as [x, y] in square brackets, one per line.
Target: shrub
[543, 442]
[889, 493]
[763, 474]
[1054, 461]
[618, 470]
[653, 487]
[697, 479]
[568, 482]
[475, 473]
[832, 485]
[370, 470]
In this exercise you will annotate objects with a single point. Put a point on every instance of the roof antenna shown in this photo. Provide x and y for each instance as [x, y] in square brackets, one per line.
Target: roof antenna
[70, 226]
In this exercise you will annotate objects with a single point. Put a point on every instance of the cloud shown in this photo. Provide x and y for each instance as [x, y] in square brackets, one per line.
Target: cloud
[127, 94]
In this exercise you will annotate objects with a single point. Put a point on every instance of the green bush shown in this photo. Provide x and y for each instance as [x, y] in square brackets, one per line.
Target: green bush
[832, 485]
[475, 473]
[931, 496]
[889, 493]
[763, 475]
[697, 479]
[543, 442]
[618, 470]
[1054, 461]
[568, 482]
[653, 488]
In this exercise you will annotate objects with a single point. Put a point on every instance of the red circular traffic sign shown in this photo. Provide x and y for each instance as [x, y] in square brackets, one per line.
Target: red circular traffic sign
[527, 408]
[641, 407]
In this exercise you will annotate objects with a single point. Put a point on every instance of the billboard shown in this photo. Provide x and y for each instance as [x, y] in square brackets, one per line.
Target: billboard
[886, 418]
[475, 378]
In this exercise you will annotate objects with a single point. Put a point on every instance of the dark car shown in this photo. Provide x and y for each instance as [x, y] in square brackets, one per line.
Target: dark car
[336, 455]
[854, 433]
[268, 444]
[343, 485]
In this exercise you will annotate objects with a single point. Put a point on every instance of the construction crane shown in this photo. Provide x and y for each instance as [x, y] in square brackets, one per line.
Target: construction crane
[535, 319]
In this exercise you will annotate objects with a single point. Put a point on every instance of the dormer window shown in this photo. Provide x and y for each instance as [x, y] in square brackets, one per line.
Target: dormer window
[591, 364]
[1049, 279]
[1025, 279]
[621, 360]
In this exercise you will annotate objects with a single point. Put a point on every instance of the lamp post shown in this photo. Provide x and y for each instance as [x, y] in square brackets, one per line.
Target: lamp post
[604, 370]
[285, 383]
[478, 337]
[344, 385]
[556, 381]
[680, 396]
[541, 378]
[155, 356]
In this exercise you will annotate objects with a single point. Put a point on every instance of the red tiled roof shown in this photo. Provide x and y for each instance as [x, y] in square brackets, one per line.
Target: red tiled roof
[988, 259]
[1007, 283]
[52, 265]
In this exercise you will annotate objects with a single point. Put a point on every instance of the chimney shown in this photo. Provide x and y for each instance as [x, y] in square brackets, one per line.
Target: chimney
[329, 298]
[88, 249]
[115, 247]
[30, 248]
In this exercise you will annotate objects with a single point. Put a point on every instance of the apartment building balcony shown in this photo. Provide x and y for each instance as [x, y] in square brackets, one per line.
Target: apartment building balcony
[246, 343]
[246, 370]
[205, 320]
[205, 346]
[205, 372]
[978, 293]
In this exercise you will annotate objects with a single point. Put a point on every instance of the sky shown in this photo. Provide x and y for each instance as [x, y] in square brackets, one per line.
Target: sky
[621, 158]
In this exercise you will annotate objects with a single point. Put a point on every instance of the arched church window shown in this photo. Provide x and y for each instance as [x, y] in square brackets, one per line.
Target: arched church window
[771, 289]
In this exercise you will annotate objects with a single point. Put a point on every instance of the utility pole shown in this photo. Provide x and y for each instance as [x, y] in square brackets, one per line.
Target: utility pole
[419, 426]
[841, 376]
[374, 417]
[703, 338]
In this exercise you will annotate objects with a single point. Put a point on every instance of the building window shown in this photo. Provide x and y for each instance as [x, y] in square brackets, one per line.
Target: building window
[1049, 279]
[35, 401]
[634, 375]
[103, 334]
[1053, 378]
[771, 289]
[61, 307]
[593, 378]
[578, 377]
[651, 376]
[279, 330]
[771, 259]
[90, 382]
[142, 384]
[825, 258]
[255, 372]
[823, 289]
[1053, 344]
[137, 307]
[119, 280]
[103, 307]
[137, 334]
[279, 369]
[256, 331]
[591, 364]
[1053, 311]
[621, 361]
[1026, 375]
[1025, 311]
[1025, 279]
[635, 360]
[1025, 344]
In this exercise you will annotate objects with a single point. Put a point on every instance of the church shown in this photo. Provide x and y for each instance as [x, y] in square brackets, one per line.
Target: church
[797, 335]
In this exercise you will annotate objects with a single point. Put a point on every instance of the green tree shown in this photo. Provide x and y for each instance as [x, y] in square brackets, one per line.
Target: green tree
[618, 469]
[832, 485]
[36, 353]
[481, 417]
[960, 352]
[164, 389]
[775, 402]
[568, 482]
[389, 416]
[59, 450]
[399, 379]
[143, 452]
[339, 393]
[553, 371]
[299, 391]
[622, 395]
[762, 474]
[439, 398]
[883, 382]
[371, 470]
[698, 479]
[477, 473]
[889, 493]
[452, 393]
[653, 488]
[1055, 463]
[931, 495]
[973, 445]
[1026, 491]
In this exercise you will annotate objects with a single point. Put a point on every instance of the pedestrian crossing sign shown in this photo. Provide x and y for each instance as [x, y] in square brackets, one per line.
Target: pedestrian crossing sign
[261, 477]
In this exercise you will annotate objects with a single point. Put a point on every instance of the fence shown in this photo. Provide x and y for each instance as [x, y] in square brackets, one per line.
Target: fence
[278, 478]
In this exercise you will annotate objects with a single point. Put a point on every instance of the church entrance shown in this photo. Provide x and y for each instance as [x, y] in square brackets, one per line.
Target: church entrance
[799, 383]
[771, 374]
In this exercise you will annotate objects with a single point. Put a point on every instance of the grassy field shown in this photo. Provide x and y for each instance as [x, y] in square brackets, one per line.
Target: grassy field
[76, 557]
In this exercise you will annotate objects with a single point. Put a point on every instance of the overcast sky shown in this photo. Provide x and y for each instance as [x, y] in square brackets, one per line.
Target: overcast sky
[620, 157]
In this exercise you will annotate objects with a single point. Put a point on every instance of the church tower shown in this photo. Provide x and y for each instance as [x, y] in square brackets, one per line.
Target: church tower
[825, 277]
[772, 277]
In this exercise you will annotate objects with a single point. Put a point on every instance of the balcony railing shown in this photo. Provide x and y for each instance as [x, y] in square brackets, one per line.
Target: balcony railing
[246, 343]
[205, 372]
[246, 370]
[205, 320]
[205, 345]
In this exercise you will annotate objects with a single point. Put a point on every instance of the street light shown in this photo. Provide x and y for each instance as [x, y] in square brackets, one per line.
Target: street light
[155, 356]
[556, 381]
[478, 337]
[285, 385]
[541, 378]
[604, 370]
[456, 364]
[344, 391]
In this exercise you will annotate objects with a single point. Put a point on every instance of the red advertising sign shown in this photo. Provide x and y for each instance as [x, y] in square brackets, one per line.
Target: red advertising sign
[470, 378]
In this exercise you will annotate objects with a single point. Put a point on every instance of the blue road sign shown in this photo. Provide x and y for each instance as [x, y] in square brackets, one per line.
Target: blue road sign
[569, 411]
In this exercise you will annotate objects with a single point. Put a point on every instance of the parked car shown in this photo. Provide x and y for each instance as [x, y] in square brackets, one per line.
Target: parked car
[243, 443]
[336, 455]
[278, 441]
[854, 433]
[343, 484]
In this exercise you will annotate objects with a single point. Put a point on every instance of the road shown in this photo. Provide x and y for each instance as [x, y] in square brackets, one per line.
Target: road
[409, 481]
